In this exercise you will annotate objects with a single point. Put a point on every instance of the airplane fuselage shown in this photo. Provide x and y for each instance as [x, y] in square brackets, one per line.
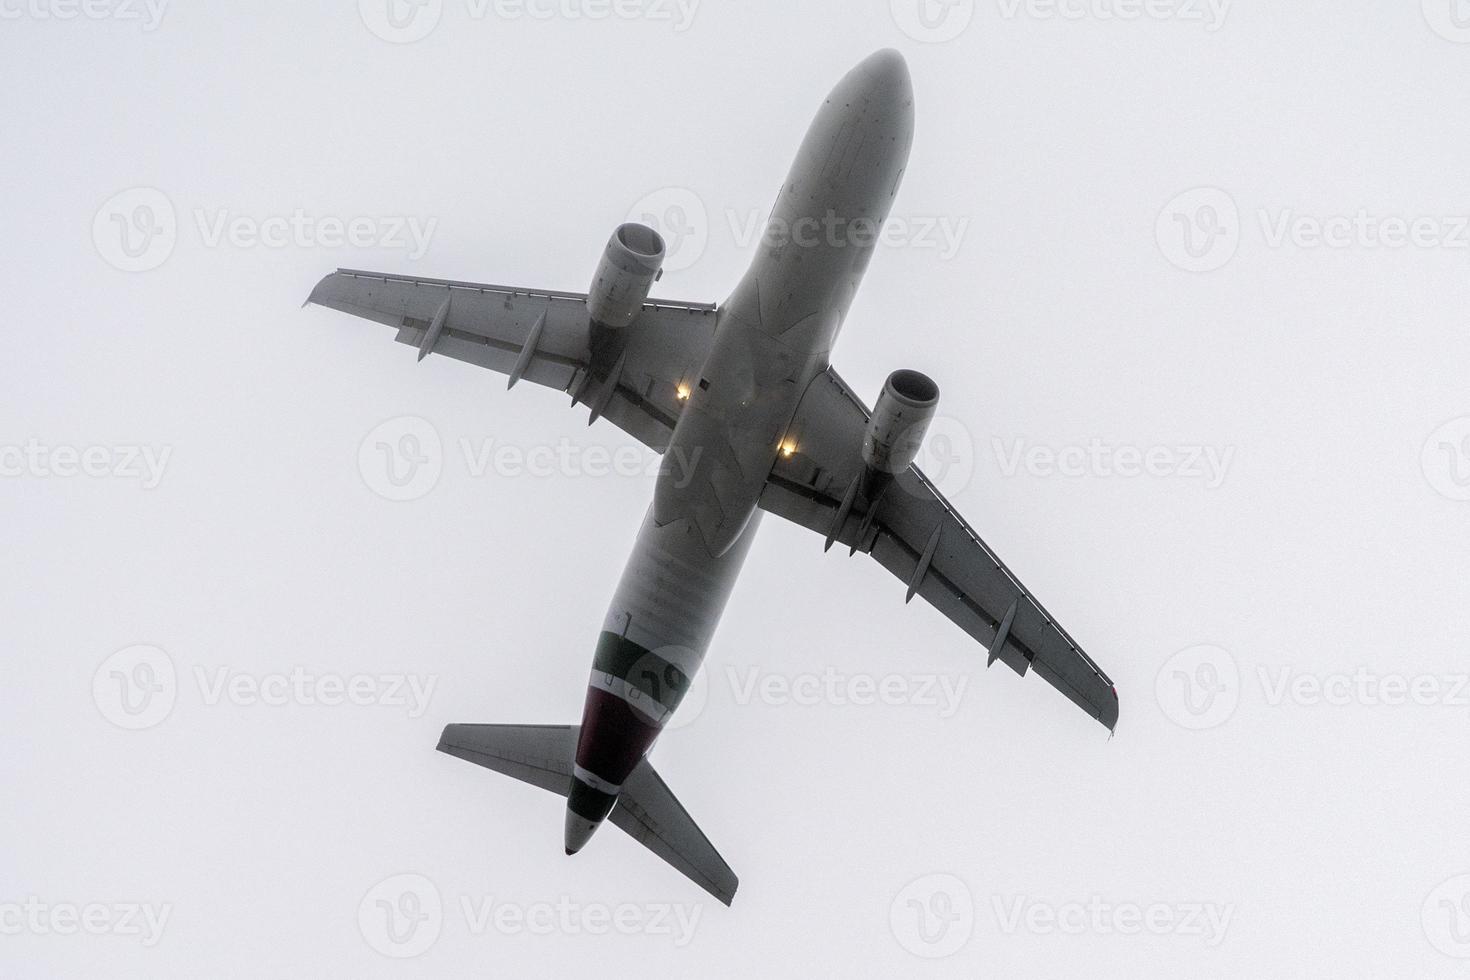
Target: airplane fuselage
[774, 335]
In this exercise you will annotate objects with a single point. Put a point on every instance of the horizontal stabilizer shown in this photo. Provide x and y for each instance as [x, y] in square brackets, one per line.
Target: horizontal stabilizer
[646, 810]
[537, 754]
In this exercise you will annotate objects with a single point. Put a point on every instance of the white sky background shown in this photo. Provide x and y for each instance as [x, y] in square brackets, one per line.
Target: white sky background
[1332, 835]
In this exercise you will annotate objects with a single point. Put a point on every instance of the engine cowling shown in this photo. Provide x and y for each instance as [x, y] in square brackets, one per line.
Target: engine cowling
[900, 420]
[630, 265]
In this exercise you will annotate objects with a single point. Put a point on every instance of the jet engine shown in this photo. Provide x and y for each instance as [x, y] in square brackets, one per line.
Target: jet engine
[630, 265]
[900, 420]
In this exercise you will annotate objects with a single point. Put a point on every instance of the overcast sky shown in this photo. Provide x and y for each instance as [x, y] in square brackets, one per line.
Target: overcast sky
[1191, 275]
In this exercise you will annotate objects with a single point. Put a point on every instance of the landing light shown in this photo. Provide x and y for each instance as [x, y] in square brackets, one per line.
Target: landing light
[682, 393]
[788, 448]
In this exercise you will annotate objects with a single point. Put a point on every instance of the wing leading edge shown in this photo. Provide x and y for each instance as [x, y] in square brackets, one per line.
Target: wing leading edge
[918, 536]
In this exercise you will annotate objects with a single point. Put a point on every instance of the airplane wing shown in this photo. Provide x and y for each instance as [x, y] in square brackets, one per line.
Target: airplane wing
[915, 534]
[541, 336]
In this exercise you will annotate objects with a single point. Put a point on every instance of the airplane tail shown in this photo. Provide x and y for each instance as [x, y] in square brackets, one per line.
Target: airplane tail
[646, 810]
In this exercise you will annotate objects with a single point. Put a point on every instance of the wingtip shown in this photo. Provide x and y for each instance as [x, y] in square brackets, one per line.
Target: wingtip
[317, 289]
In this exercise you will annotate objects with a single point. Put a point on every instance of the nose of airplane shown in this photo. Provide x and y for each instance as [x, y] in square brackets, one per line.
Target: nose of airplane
[887, 74]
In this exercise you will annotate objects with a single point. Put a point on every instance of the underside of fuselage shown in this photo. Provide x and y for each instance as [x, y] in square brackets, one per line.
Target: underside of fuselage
[774, 335]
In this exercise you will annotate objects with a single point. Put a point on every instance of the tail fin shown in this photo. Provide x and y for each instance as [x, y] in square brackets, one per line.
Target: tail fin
[646, 810]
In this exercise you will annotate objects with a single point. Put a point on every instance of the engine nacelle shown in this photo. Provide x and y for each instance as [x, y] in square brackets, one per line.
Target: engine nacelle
[900, 420]
[630, 265]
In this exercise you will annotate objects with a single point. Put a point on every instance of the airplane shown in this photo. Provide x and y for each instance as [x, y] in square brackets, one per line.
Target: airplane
[751, 418]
